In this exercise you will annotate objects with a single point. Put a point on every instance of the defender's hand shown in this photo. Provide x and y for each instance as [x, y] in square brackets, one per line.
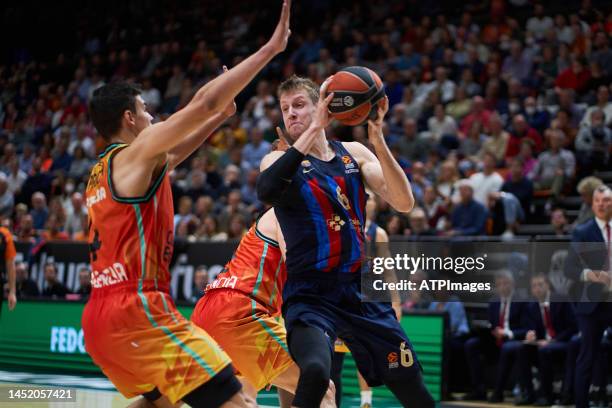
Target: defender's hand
[280, 37]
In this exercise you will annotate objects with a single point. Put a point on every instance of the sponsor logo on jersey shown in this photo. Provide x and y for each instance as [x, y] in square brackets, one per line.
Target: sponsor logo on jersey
[99, 195]
[109, 276]
[223, 283]
[335, 223]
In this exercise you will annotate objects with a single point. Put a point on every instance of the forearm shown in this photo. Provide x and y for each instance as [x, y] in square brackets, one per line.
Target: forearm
[195, 140]
[219, 92]
[274, 181]
[397, 185]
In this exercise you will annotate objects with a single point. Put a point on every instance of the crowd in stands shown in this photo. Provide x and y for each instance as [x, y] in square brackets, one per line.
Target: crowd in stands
[492, 107]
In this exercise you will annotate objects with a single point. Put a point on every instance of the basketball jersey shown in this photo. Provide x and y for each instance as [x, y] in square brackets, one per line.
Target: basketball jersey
[256, 269]
[130, 239]
[7, 250]
[322, 217]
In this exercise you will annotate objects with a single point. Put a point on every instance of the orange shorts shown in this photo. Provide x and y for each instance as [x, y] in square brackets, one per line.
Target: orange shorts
[141, 342]
[254, 339]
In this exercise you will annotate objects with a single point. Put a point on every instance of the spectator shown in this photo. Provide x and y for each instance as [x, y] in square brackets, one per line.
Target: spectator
[551, 330]
[26, 232]
[447, 179]
[497, 142]
[26, 287]
[539, 24]
[460, 106]
[519, 185]
[237, 227]
[411, 144]
[487, 181]
[200, 281]
[435, 208]
[469, 216]
[76, 212]
[603, 104]
[586, 188]
[7, 200]
[558, 220]
[518, 64]
[536, 118]
[477, 113]
[521, 130]
[53, 287]
[441, 125]
[16, 177]
[509, 320]
[254, 151]
[54, 229]
[419, 226]
[506, 213]
[575, 77]
[84, 283]
[209, 230]
[39, 211]
[593, 145]
[555, 166]
[602, 54]
[184, 211]
[80, 165]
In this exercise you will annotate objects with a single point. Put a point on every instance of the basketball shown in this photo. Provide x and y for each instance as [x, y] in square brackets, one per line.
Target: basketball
[356, 93]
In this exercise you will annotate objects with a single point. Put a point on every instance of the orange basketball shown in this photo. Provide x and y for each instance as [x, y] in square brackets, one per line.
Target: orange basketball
[356, 90]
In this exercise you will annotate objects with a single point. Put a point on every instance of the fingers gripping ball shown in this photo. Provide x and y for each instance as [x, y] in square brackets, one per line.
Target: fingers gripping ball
[356, 90]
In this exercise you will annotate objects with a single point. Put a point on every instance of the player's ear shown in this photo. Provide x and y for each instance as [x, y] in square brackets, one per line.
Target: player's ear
[129, 117]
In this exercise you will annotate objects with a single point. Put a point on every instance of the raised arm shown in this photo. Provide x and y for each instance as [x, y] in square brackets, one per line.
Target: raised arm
[195, 140]
[211, 98]
[381, 172]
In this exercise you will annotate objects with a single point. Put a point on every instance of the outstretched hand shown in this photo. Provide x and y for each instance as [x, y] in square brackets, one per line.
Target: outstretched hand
[281, 34]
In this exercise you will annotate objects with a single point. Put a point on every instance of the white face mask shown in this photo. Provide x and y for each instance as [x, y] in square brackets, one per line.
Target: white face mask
[513, 107]
[530, 110]
[69, 188]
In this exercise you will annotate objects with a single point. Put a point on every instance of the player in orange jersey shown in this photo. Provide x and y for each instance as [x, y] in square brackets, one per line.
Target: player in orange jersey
[241, 307]
[132, 329]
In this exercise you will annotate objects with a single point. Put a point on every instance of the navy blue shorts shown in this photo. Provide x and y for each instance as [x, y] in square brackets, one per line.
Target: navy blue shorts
[371, 331]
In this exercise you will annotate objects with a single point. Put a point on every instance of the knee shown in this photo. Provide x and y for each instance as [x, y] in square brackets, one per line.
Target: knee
[315, 372]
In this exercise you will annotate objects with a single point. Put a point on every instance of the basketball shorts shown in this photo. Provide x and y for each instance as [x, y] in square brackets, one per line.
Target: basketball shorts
[141, 342]
[370, 330]
[245, 329]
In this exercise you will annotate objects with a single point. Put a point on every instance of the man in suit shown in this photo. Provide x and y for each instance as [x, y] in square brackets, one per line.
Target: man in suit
[508, 317]
[588, 264]
[552, 325]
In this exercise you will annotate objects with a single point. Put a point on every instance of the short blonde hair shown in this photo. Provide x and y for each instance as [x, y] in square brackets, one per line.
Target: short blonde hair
[295, 83]
[588, 185]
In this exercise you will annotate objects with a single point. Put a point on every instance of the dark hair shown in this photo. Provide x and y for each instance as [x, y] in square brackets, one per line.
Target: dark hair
[108, 104]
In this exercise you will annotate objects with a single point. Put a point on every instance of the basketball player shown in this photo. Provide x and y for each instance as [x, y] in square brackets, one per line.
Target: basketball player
[241, 307]
[132, 329]
[373, 234]
[7, 267]
[317, 188]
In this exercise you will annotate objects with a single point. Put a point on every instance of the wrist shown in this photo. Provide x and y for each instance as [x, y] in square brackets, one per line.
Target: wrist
[268, 50]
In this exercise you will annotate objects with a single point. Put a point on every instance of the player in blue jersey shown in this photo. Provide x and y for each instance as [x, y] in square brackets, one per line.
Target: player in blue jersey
[317, 188]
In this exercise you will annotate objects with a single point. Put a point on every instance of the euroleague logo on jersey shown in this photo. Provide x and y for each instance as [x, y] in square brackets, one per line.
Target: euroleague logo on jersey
[349, 165]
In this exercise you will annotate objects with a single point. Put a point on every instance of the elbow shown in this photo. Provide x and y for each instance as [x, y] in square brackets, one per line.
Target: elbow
[405, 205]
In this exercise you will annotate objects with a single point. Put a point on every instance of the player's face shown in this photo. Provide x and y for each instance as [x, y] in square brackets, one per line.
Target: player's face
[143, 118]
[297, 109]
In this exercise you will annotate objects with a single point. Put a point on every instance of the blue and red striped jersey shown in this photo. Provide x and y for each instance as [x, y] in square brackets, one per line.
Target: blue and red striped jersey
[322, 217]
